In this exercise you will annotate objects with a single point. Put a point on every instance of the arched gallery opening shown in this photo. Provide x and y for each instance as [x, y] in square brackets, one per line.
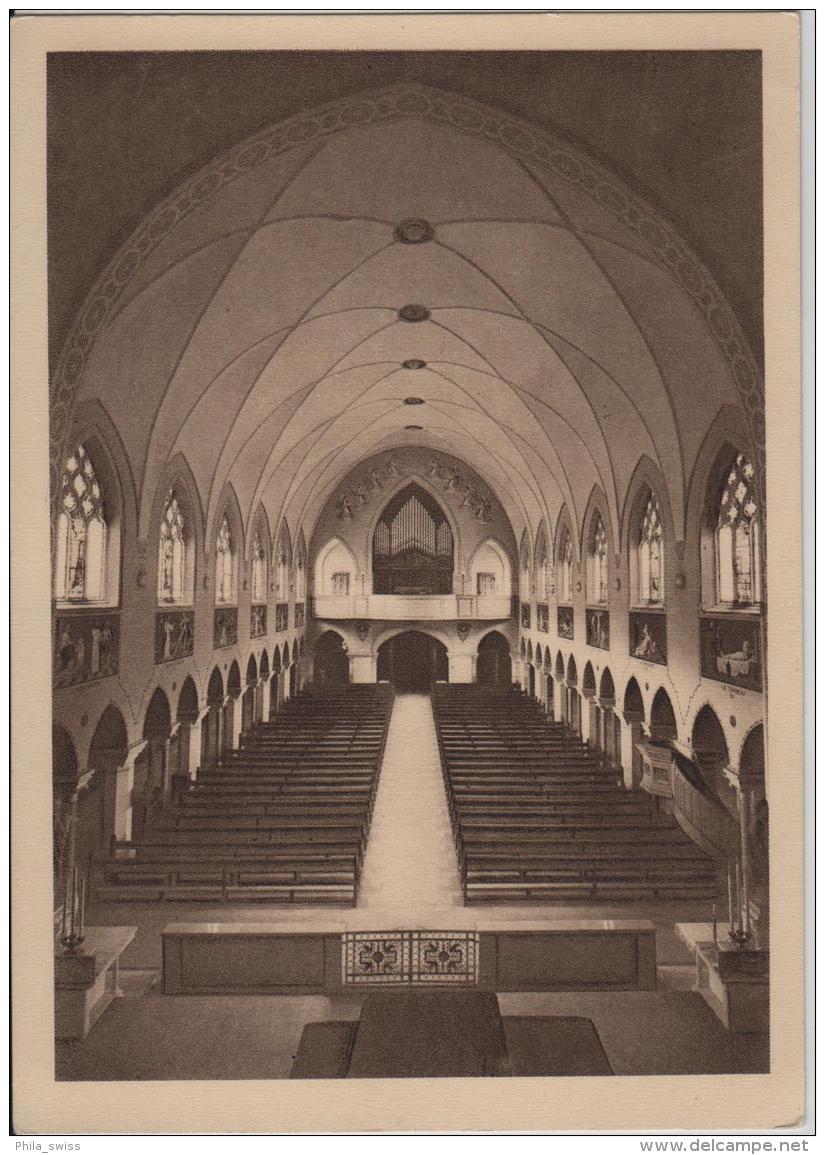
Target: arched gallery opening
[412, 661]
[330, 662]
[494, 666]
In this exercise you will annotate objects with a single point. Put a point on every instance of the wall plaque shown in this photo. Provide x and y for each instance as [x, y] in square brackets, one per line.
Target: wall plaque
[564, 622]
[87, 647]
[648, 637]
[225, 626]
[732, 650]
[598, 629]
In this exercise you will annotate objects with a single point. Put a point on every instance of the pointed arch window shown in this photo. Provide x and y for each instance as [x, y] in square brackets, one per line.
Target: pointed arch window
[172, 552]
[300, 577]
[524, 580]
[258, 569]
[80, 573]
[650, 553]
[598, 562]
[738, 530]
[565, 583]
[282, 571]
[224, 563]
[544, 574]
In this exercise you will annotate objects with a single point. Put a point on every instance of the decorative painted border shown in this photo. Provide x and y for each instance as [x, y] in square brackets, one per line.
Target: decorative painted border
[515, 136]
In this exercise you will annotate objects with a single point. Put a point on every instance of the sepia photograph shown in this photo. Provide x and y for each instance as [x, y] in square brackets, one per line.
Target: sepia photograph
[403, 574]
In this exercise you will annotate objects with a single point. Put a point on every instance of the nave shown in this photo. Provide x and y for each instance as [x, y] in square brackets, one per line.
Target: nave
[410, 876]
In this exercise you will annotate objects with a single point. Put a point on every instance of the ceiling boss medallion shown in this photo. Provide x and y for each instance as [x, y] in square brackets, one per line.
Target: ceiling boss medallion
[414, 232]
[414, 313]
[414, 363]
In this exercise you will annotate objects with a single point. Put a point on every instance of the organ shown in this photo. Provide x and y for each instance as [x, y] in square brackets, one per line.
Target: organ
[412, 548]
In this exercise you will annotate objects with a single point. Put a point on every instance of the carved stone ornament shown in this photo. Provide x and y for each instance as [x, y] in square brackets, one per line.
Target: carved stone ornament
[362, 629]
[463, 630]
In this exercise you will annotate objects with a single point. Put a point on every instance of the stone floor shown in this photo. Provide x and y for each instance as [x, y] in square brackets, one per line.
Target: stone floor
[410, 875]
[410, 866]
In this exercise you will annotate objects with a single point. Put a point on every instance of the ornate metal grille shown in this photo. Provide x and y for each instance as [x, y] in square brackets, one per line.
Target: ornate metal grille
[396, 958]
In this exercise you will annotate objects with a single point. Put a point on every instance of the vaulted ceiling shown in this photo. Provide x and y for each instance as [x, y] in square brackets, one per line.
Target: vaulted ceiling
[274, 317]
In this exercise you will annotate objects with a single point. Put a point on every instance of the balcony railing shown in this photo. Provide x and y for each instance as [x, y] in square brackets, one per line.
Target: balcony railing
[417, 607]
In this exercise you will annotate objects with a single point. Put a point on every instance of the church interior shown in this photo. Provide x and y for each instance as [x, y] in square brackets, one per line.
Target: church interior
[407, 467]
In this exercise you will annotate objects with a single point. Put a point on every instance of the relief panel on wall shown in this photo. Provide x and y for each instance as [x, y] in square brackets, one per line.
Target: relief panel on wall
[299, 615]
[281, 617]
[598, 629]
[86, 648]
[525, 616]
[732, 650]
[226, 627]
[174, 635]
[257, 621]
[564, 622]
[648, 637]
[543, 617]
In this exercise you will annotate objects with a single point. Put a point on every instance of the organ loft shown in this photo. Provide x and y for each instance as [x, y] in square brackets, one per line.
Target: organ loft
[408, 590]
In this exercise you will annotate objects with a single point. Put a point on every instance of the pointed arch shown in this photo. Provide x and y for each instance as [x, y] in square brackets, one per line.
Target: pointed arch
[564, 557]
[251, 671]
[572, 673]
[559, 667]
[335, 570]
[283, 562]
[227, 549]
[157, 721]
[263, 666]
[214, 691]
[259, 553]
[597, 548]
[300, 568]
[233, 680]
[662, 717]
[588, 681]
[490, 570]
[188, 708]
[633, 702]
[177, 484]
[413, 542]
[525, 568]
[607, 691]
[543, 568]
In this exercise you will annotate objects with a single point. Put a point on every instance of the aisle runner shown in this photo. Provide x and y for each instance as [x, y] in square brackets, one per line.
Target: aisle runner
[410, 866]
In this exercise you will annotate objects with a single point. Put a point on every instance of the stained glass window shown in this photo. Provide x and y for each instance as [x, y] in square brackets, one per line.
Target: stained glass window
[224, 563]
[80, 573]
[524, 590]
[172, 552]
[566, 569]
[282, 571]
[258, 570]
[651, 584]
[300, 578]
[598, 562]
[738, 538]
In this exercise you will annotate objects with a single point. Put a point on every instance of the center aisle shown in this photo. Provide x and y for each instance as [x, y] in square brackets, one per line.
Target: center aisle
[410, 866]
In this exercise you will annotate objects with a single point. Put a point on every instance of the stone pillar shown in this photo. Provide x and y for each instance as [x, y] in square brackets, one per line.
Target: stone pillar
[558, 690]
[363, 667]
[123, 792]
[631, 734]
[195, 752]
[264, 699]
[753, 852]
[237, 722]
[461, 667]
[589, 734]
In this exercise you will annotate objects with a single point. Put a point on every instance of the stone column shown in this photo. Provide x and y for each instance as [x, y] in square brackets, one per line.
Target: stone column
[195, 752]
[264, 699]
[362, 667]
[461, 667]
[589, 734]
[123, 792]
[237, 722]
[753, 851]
[631, 734]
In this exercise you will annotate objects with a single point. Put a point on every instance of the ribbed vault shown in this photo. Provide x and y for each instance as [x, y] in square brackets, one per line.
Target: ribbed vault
[261, 317]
